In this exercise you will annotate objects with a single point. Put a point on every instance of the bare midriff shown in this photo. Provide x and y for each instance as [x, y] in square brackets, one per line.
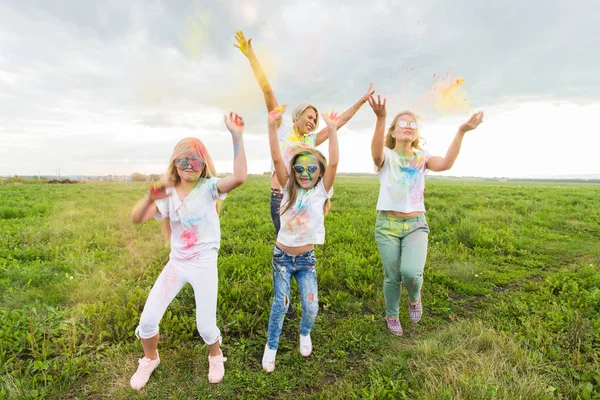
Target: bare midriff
[296, 250]
[398, 214]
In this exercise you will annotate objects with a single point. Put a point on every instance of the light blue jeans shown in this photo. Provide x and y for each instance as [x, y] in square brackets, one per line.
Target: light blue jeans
[302, 267]
[402, 244]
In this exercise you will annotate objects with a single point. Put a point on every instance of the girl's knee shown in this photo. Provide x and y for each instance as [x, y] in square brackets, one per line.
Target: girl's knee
[146, 330]
[281, 305]
[210, 336]
[311, 305]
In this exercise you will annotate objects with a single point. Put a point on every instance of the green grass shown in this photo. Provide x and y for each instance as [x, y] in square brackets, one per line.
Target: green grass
[511, 295]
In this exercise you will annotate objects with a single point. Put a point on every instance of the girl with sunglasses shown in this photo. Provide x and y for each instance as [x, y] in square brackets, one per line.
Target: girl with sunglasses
[401, 230]
[308, 181]
[188, 203]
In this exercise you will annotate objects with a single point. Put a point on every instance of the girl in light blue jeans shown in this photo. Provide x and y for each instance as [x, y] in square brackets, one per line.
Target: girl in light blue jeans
[401, 230]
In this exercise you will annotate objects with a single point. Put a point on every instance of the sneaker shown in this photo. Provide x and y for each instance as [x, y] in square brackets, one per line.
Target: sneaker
[305, 345]
[415, 312]
[216, 368]
[268, 360]
[394, 326]
[145, 368]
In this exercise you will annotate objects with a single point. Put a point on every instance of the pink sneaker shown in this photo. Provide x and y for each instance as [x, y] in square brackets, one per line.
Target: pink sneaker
[394, 326]
[145, 368]
[216, 368]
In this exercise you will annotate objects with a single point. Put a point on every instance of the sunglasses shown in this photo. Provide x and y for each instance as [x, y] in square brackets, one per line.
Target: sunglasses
[404, 124]
[184, 163]
[300, 168]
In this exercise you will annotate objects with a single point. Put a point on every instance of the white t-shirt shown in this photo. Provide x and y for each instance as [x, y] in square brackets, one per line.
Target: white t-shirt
[304, 223]
[402, 182]
[195, 225]
[290, 142]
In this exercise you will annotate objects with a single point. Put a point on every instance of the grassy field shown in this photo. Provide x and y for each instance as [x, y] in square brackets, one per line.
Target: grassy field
[511, 296]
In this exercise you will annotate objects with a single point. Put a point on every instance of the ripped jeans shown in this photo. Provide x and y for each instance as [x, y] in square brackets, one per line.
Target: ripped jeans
[302, 267]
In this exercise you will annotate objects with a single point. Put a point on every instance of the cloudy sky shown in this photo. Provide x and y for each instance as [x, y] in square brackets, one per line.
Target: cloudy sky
[109, 87]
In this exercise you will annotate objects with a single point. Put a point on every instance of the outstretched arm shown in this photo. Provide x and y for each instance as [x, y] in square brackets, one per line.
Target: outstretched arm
[323, 134]
[245, 46]
[438, 164]
[334, 155]
[235, 124]
[280, 167]
[378, 141]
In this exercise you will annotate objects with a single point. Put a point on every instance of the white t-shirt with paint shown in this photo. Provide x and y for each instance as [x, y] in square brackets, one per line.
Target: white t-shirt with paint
[402, 182]
[195, 225]
[290, 142]
[304, 222]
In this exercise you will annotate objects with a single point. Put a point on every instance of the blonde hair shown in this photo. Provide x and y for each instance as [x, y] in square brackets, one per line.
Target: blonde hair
[390, 140]
[172, 177]
[299, 110]
[292, 185]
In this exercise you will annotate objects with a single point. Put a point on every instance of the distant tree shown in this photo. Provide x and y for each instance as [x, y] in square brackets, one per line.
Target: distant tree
[137, 177]
[155, 177]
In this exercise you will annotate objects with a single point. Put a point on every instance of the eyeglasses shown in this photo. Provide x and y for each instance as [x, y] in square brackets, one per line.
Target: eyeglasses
[184, 163]
[404, 124]
[311, 168]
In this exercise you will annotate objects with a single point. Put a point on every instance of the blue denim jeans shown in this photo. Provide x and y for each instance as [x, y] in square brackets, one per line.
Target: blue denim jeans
[302, 267]
[276, 198]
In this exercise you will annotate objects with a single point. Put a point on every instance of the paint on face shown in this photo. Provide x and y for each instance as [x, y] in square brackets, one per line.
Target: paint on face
[190, 165]
[307, 121]
[305, 172]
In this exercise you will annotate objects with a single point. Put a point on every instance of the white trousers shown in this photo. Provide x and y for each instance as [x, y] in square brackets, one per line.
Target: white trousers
[202, 275]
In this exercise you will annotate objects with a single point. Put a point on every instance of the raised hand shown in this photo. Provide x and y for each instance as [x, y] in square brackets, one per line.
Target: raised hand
[378, 106]
[158, 190]
[472, 123]
[244, 45]
[331, 119]
[369, 93]
[234, 123]
[276, 114]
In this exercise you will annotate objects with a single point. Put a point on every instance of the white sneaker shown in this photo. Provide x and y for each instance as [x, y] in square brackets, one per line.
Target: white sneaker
[305, 345]
[268, 360]
[145, 368]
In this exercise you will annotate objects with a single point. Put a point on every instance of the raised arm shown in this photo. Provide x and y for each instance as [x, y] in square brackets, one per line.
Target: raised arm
[438, 164]
[235, 124]
[280, 167]
[146, 208]
[245, 47]
[378, 141]
[334, 156]
[345, 116]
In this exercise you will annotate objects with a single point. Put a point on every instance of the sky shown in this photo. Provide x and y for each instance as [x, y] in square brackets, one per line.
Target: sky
[109, 87]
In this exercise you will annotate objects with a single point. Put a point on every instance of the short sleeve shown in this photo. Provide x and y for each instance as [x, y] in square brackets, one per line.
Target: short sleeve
[426, 156]
[321, 189]
[214, 191]
[163, 206]
[386, 161]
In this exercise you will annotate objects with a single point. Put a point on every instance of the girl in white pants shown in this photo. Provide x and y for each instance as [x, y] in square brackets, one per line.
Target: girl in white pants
[188, 204]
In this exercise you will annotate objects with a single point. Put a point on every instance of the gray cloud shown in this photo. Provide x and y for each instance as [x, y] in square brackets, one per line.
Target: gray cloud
[99, 69]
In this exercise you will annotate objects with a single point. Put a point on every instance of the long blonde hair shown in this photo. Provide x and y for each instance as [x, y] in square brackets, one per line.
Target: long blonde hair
[292, 185]
[172, 177]
[390, 140]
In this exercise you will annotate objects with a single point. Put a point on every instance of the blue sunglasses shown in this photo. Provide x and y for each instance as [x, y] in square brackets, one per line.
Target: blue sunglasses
[300, 168]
